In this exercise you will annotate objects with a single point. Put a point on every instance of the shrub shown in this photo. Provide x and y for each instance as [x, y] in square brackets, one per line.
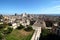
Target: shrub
[9, 24]
[20, 27]
[1, 36]
[9, 30]
[45, 32]
[28, 28]
[46, 35]
[1, 26]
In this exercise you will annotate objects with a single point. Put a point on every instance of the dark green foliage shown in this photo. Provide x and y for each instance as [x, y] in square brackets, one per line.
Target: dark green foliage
[20, 27]
[1, 16]
[9, 30]
[32, 22]
[15, 14]
[49, 23]
[50, 37]
[28, 28]
[45, 32]
[9, 24]
[1, 26]
[3, 31]
[47, 35]
[1, 36]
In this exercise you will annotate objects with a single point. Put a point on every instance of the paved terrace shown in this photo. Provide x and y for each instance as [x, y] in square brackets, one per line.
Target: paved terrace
[36, 34]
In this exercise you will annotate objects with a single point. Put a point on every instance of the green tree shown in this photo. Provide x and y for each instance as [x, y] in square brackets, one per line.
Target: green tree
[45, 32]
[4, 31]
[9, 30]
[1, 36]
[29, 28]
[1, 16]
[10, 24]
[15, 14]
[20, 27]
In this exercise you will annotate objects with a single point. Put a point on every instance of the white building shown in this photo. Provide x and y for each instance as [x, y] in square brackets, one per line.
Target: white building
[25, 22]
[14, 25]
[24, 15]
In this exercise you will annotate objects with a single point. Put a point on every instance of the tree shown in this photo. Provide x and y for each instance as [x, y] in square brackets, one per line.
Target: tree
[4, 31]
[29, 28]
[9, 30]
[1, 36]
[47, 35]
[32, 22]
[9, 24]
[45, 32]
[20, 27]
[15, 14]
[1, 26]
[1, 16]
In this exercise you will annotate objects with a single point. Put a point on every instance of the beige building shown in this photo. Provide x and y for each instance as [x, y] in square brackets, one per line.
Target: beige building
[25, 22]
[39, 23]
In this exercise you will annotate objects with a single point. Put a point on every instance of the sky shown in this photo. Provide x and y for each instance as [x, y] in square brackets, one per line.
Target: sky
[30, 6]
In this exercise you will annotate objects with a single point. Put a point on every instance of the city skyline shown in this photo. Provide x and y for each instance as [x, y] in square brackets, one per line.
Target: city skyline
[30, 6]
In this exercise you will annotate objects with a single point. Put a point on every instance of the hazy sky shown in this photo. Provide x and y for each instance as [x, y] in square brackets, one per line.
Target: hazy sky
[30, 6]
